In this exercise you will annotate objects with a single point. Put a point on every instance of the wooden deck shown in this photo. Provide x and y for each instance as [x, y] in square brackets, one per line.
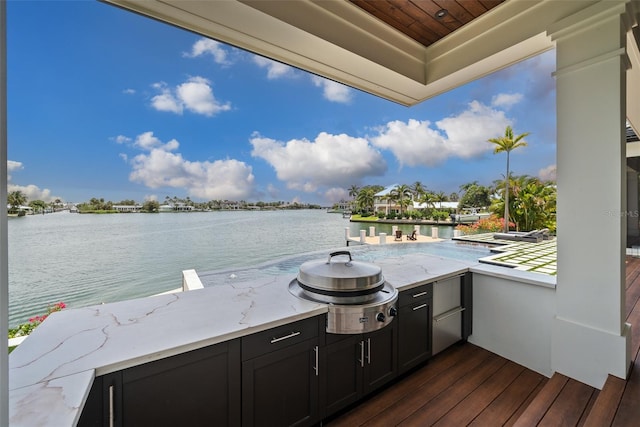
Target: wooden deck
[467, 385]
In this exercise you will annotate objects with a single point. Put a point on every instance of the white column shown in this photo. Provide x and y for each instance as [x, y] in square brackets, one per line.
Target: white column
[590, 339]
[363, 236]
[372, 231]
[4, 251]
[417, 228]
[383, 238]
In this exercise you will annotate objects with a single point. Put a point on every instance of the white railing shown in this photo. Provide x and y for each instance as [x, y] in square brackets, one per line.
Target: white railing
[190, 281]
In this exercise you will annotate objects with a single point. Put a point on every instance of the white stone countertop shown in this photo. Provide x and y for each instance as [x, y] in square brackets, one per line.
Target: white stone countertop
[51, 372]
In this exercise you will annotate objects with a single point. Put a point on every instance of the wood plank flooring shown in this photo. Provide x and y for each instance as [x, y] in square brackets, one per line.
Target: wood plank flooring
[467, 385]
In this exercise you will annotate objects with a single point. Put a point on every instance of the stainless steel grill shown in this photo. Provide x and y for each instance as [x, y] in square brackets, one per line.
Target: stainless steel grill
[359, 299]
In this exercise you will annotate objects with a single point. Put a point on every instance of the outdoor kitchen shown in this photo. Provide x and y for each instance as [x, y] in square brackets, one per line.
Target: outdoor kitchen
[106, 362]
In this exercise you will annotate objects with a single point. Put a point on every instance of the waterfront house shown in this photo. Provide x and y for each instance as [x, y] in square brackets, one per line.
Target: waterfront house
[127, 208]
[384, 203]
[577, 327]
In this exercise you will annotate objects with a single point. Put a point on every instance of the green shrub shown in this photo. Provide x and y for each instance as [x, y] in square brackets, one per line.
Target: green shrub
[25, 329]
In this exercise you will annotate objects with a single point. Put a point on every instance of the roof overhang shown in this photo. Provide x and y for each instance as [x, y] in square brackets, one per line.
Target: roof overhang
[337, 40]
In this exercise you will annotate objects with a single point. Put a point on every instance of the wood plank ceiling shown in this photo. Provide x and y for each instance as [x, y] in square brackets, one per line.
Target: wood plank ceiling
[426, 21]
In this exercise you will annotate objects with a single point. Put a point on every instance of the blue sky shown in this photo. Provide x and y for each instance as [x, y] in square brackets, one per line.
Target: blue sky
[106, 103]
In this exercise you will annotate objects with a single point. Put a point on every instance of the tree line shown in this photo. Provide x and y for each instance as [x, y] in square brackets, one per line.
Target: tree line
[17, 199]
[526, 201]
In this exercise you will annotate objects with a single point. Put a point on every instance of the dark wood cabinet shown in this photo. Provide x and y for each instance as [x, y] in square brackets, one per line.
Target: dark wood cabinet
[280, 376]
[294, 374]
[199, 387]
[354, 365]
[415, 326]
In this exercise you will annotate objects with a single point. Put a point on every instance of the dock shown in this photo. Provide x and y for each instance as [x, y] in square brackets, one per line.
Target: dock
[371, 238]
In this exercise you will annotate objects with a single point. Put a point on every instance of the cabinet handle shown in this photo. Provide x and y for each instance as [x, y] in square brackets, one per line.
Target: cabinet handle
[419, 307]
[420, 294]
[449, 313]
[369, 351]
[315, 368]
[361, 354]
[291, 335]
[111, 412]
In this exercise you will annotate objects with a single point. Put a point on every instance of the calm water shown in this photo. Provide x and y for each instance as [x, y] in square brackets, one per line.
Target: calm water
[90, 259]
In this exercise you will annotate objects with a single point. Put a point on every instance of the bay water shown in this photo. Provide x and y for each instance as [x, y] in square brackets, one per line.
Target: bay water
[91, 259]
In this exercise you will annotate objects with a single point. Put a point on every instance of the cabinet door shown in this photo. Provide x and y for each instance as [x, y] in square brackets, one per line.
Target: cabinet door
[281, 388]
[341, 372]
[200, 387]
[381, 350]
[414, 335]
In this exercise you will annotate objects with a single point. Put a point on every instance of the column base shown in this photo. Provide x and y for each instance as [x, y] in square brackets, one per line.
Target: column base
[589, 355]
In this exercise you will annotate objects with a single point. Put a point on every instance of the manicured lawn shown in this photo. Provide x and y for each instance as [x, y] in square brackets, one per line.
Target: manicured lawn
[363, 218]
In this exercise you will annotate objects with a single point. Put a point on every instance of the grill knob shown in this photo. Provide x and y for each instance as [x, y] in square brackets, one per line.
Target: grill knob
[393, 312]
[380, 317]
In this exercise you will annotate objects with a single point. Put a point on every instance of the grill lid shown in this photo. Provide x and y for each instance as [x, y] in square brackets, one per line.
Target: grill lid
[340, 276]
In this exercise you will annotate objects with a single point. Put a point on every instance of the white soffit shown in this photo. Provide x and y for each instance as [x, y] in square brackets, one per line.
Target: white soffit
[337, 40]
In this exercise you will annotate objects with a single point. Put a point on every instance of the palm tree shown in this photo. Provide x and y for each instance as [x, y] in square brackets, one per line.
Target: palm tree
[38, 205]
[16, 199]
[534, 203]
[402, 195]
[418, 189]
[353, 191]
[440, 197]
[507, 143]
[468, 185]
[428, 199]
[365, 199]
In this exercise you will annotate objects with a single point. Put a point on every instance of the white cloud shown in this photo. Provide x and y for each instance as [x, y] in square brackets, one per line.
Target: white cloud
[12, 165]
[205, 46]
[129, 91]
[147, 141]
[336, 194]
[333, 91]
[165, 101]
[160, 167]
[273, 191]
[330, 160]
[194, 95]
[506, 100]
[275, 70]
[416, 142]
[31, 191]
[548, 173]
[121, 139]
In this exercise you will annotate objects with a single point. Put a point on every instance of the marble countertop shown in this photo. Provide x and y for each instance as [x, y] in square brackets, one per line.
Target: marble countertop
[51, 372]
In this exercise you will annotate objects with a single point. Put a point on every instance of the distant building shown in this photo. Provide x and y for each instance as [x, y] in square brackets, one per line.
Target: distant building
[127, 208]
[179, 207]
[385, 205]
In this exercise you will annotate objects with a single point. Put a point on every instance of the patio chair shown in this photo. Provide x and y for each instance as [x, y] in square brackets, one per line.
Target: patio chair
[398, 235]
[412, 236]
